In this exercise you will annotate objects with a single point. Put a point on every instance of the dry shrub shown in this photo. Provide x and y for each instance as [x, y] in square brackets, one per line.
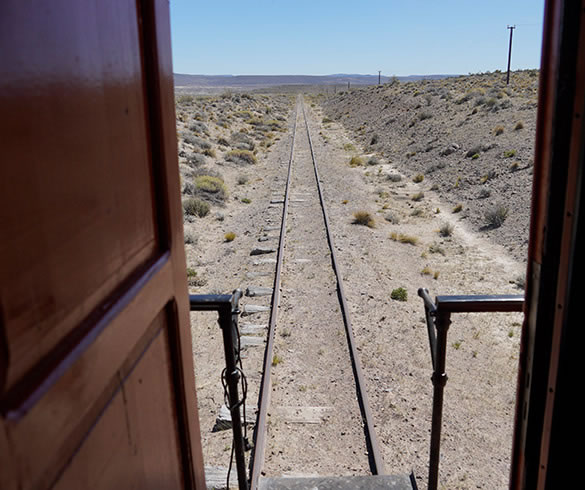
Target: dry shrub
[363, 218]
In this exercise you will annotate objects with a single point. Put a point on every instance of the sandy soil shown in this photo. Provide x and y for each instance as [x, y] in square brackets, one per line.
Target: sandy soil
[391, 335]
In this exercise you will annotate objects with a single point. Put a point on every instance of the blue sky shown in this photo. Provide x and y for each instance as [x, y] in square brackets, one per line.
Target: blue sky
[322, 37]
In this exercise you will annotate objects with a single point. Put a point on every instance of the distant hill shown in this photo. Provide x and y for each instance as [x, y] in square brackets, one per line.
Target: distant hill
[206, 83]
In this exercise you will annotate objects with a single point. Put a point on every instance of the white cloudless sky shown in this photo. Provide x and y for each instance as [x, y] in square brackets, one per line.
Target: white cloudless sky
[323, 37]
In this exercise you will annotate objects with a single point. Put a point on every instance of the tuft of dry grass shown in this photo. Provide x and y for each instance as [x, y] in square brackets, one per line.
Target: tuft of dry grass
[364, 218]
[403, 238]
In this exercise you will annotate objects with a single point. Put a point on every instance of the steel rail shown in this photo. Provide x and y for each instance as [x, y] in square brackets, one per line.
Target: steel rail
[257, 456]
[376, 460]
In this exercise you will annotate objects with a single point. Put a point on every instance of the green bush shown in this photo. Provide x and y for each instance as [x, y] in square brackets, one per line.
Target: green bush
[399, 294]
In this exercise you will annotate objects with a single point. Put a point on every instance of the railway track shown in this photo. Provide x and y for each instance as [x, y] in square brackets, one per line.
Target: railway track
[312, 381]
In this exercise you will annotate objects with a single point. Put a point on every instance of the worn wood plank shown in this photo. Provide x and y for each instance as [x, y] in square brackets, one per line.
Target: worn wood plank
[223, 420]
[258, 291]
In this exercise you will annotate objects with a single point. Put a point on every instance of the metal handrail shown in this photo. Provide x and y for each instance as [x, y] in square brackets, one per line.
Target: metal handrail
[227, 307]
[438, 317]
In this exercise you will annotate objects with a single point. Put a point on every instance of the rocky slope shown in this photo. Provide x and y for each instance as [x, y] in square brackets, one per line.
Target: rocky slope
[469, 138]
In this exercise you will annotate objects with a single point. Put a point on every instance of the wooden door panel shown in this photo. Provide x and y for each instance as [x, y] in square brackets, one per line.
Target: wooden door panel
[76, 146]
[96, 370]
[134, 443]
[58, 417]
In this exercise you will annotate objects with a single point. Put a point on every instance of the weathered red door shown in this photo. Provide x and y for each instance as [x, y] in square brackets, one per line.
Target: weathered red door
[96, 371]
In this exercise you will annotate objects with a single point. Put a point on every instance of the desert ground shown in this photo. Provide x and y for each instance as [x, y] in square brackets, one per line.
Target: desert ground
[443, 167]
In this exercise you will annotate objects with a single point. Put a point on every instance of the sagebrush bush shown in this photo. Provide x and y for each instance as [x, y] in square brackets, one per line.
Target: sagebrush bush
[211, 187]
[496, 216]
[241, 157]
[242, 179]
[196, 207]
[196, 160]
[356, 162]
[446, 230]
[190, 237]
[185, 99]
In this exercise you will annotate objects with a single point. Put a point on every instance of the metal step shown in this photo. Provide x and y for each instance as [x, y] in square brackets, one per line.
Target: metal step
[370, 482]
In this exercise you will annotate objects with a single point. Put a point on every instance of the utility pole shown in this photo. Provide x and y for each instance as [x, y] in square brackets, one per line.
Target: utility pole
[510, 53]
[379, 72]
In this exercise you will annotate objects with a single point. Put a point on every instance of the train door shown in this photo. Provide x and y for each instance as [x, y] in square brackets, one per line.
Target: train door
[96, 373]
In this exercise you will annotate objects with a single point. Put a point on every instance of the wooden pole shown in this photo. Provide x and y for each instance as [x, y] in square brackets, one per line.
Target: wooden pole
[510, 53]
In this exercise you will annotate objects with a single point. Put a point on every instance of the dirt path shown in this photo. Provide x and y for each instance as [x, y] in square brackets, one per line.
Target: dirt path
[391, 335]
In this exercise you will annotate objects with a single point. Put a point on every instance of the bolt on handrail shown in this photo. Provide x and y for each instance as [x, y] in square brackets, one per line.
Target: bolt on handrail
[438, 317]
[227, 307]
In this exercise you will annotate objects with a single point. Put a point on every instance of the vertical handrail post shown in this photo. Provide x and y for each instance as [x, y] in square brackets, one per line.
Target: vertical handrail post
[228, 324]
[439, 379]
[430, 310]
